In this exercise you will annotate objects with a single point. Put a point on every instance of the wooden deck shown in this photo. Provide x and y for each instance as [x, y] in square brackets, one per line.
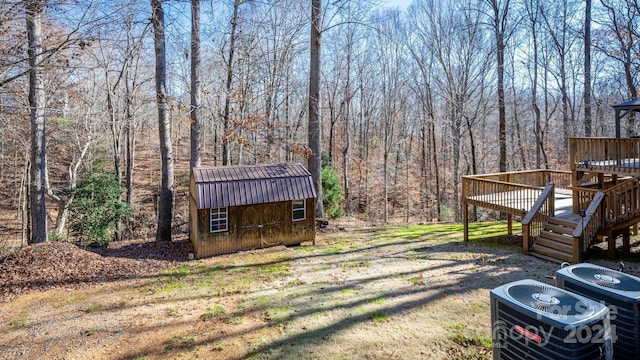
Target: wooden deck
[605, 155]
[518, 201]
[563, 213]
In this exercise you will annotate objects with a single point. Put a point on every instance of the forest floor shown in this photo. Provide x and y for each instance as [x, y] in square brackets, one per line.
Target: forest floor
[362, 292]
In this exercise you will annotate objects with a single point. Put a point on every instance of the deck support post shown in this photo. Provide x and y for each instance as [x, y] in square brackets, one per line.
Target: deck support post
[574, 193]
[626, 242]
[465, 219]
[509, 224]
[611, 244]
[577, 249]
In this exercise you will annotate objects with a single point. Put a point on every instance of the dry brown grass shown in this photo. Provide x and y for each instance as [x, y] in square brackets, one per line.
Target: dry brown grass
[361, 293]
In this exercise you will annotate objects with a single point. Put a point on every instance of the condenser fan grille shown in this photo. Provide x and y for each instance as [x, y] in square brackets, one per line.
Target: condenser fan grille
[549, 300]
[607, 278]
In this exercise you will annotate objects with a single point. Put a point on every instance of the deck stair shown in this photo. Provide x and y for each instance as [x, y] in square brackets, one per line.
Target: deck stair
[556, 241]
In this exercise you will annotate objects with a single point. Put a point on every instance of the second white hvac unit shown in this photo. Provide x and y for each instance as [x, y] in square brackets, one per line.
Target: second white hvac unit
[619, 291]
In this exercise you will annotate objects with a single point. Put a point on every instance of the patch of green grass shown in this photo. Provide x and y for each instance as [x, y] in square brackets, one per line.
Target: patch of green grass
[240, 284]
[274, 270]
[378, 301]
[336, 245]
[19, 323]
[172, 312]
[172, 286]
[214, 271]
[379, 317]
[347, 291]
[179, 342]
[417, 280]
[214, 312]
[305, 249]
[479, 232]
[94, 307]
[332, 250]
[276, 314]
[179, 272]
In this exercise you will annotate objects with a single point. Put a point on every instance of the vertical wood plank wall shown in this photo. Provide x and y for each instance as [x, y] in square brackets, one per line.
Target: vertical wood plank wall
[253, 227]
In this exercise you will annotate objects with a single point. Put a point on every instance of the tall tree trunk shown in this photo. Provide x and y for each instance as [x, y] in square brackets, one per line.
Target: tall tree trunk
[165, 206]
[499, 18]
[347, 134]
[38, 210]
[436, 167]
[226, 151]
[130, 145]
[533, 18]
[196, 147]
[587, 69]
[314, 131]
[408, 184]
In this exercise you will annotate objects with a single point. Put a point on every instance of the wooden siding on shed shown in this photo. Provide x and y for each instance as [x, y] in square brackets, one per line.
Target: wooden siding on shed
[254, 227]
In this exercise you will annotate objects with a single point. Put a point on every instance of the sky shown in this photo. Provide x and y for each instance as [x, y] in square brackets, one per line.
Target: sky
[402, 4]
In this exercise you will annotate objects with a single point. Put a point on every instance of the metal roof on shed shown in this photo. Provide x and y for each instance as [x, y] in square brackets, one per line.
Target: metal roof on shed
[251, 184]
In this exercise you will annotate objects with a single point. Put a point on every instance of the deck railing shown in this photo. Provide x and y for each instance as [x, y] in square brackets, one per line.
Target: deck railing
[622, 202]
[539, 178]
[610, 155]
[582, 197]
[499, 195]
[589, 226]
[533, 222]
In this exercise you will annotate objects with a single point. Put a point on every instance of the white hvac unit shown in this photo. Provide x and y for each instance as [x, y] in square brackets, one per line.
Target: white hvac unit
[533, 320]
[619, 291]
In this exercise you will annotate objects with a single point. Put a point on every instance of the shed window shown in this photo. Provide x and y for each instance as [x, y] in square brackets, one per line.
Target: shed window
[299, 210]
[218, 220]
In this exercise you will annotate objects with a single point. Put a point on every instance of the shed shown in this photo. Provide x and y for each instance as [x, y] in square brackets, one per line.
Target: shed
[244, 207]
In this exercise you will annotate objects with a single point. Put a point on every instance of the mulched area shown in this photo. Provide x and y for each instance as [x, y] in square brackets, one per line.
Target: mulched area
[61, 264]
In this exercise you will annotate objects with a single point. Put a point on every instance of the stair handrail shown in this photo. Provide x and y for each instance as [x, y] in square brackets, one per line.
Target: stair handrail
[589, 226]
[533, 221]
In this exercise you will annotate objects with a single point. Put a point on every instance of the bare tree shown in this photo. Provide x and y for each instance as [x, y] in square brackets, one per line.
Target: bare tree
[500, 11]
[37, 102]
[622, 28]
[314, 131]
[587, 68]
[165, 206]
[196, 147]
[226, 151]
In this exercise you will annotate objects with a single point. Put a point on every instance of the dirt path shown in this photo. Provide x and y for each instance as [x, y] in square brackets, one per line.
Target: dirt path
[379, 293]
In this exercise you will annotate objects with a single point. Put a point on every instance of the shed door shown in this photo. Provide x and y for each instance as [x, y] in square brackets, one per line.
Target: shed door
[262, 225]
[250, 232]
[275, 215]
